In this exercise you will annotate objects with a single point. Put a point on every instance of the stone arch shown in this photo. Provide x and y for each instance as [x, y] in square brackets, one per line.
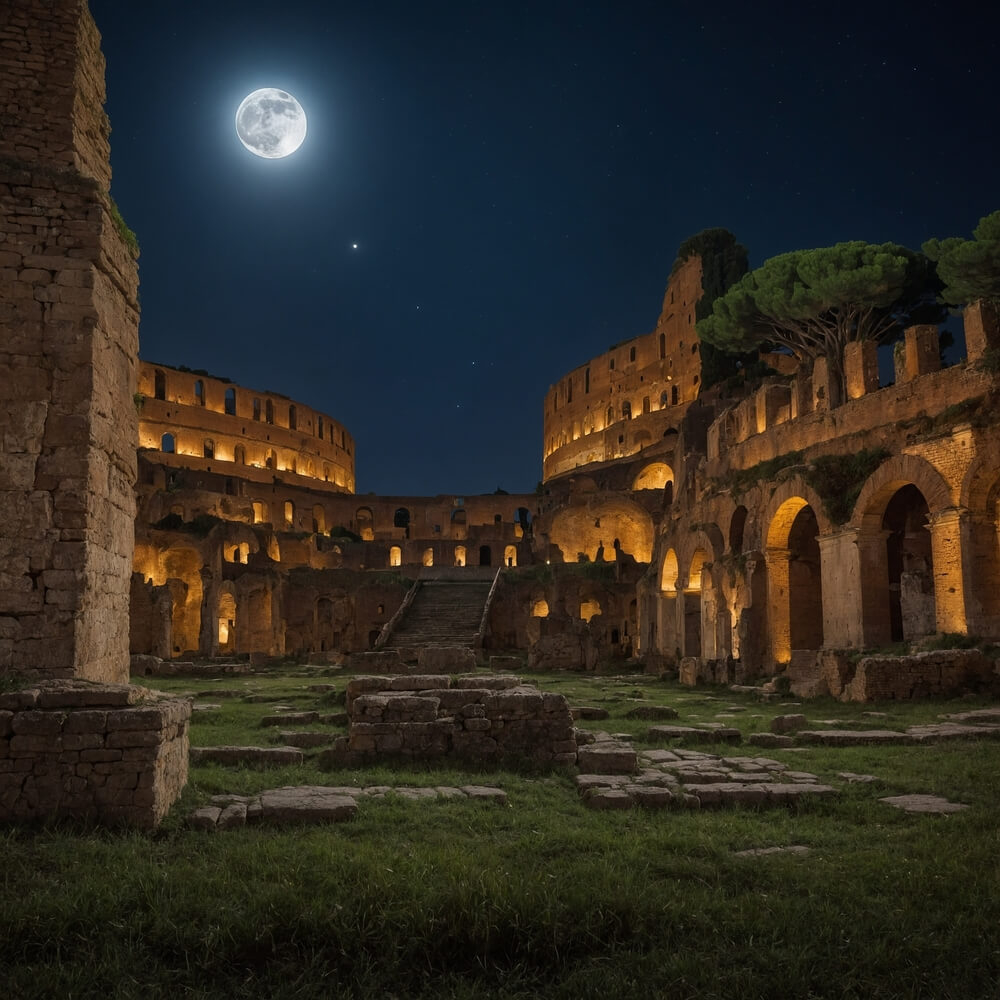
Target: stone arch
[365, 521]
[669, 573]
[737, 529]
[230, 401]
[912, 580]
[226, 619]
[395, 556]
[654, 476]
[401, 519]
[179, 567]
[460, 555]
[586, 527]
[539, 606]
[980, 515]
[168, 443]
[794, 573]
[289, 511]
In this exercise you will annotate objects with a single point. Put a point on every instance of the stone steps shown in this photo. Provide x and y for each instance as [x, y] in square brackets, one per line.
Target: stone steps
[442, 614]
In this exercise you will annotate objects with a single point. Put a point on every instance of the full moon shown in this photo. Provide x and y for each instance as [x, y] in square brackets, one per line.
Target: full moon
[271, 123]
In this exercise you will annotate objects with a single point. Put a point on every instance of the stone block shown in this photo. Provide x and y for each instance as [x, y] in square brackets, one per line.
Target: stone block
[597, 759]
[788, 723]
[452, 659]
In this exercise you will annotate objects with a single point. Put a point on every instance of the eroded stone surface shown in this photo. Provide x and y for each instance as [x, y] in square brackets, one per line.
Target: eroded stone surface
[923, 804]
[247, 755]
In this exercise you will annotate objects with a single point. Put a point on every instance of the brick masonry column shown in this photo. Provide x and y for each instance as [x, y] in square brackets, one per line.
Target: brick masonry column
[68, 355]
[841, 573]
[982, 329]
[948, 531]
[923, 351]
[779, 604]
[861, 368]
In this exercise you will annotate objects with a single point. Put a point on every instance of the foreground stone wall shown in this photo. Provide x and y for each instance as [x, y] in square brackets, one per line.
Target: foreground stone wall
[472, 717]
[69, 314]
[110, 753]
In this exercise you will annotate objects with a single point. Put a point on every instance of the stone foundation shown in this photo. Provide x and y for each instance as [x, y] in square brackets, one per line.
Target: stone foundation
[475, 717]
[110, 753]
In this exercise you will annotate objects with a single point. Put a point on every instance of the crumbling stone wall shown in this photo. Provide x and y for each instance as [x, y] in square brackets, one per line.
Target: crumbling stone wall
[69, 313]
[471, 717]
[111, 753]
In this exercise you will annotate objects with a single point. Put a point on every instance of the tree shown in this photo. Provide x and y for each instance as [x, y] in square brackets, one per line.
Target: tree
[814, 302]
[970, 269]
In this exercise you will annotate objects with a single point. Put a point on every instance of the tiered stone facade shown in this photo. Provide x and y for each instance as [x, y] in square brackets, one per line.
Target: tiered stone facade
[109, 753]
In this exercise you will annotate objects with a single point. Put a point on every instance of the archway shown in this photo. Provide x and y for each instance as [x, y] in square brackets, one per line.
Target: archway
[654, 476]
[485, 556]
[510, 556]
[459, 555]
[795, 579]
[226, 616]
[910, 565]
[365, 523]
[395, 556]
[692, 605]
[428, 557]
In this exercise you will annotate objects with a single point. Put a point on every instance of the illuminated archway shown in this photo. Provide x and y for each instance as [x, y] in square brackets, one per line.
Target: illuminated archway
[395, 556]
[459, 555]
[226, 616]
[510, 555]
[654, 476]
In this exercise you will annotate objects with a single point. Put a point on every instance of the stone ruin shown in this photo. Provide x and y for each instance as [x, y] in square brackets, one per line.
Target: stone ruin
[81, 743]
[472, 717]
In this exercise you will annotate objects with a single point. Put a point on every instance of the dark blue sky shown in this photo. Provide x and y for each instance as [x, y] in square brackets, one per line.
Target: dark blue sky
[518, 177]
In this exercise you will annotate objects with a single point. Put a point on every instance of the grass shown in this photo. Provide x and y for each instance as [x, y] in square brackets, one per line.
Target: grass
[542, 898]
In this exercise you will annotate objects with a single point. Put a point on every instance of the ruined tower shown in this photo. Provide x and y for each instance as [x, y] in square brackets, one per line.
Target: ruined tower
[68, 355]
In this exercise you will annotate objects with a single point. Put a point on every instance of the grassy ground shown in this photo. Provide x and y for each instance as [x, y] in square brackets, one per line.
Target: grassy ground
[542, 898]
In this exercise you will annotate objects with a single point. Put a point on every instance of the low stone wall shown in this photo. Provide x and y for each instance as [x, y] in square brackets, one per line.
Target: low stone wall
[110, 753]
[935, 673]
[477, 717]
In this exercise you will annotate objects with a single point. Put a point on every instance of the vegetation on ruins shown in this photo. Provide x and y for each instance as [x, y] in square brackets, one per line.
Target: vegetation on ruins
[970, 269]
[739, 481]
[201, 525]
[839, 479]
[814, 302]
[123, 230]
[723, 263]
[543, 897]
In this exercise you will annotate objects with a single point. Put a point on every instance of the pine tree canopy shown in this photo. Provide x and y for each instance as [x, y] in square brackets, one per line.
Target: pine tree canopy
[970, 269]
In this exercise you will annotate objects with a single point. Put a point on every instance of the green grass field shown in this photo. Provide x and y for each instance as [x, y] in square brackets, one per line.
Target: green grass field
[541, 898]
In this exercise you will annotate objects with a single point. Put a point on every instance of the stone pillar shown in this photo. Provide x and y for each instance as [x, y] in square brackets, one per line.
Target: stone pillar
[779, 604]
[923, 351]
[982, 329]
[823, 392]
[842, 615]
[873, 580]
[861, 368]
[948, 529]
[69, 316]
[802, 400]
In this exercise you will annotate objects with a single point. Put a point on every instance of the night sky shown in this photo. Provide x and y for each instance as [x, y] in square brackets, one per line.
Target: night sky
[517, 177]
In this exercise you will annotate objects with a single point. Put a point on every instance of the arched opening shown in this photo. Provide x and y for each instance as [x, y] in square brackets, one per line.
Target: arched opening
[540, 609]
[626, 410]
[401, 519]
[459, 527]
[910, 565]
[510, 556]
[257, 632]
[692, 605]
[459, 555]
[199, 392]
[319, 427]
[270, 459]
[167, 444]
[795, 580]
[645, 405]
[240, 455]
[428, 557]
[227, 622]
[261, 515]
[159, 385]
[663, 346]
[293, 418]
[589, 609]
[365, 524]
[654, 477]
[395, 556]
[668, 575]
[256, 409]
[269, 412]
[674, 395]
[289, 514]
[209, 448]
[485, 556]
[522, 519]
[230, 404]
[737, 524]
[319, 518]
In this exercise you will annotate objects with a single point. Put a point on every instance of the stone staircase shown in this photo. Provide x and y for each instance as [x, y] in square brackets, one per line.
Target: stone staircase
[443, 613]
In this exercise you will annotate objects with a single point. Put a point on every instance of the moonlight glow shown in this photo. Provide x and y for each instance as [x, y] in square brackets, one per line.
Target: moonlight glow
[271, 123]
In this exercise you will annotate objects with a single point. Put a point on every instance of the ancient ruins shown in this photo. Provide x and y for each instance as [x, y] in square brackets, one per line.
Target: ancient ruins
[737, 533]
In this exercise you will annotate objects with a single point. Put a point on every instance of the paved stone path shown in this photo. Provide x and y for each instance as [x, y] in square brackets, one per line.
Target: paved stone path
[690, 779]
[315, 804]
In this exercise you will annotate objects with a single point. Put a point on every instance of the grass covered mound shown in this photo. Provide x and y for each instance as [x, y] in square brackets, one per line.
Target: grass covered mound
[542, 898]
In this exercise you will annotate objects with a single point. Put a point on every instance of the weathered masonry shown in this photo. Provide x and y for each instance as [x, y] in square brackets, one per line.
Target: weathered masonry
[68, 355]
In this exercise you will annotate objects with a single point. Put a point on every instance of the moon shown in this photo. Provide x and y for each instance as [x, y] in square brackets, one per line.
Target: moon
[271, 123]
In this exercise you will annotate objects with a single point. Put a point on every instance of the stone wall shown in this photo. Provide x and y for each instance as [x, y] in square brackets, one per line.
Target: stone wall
[110, 753]
[69, 313]
[473, 717]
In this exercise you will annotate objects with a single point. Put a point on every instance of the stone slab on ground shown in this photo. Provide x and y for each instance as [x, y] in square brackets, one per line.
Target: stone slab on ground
[937, 731]
[770, 740]
[290, 719]
[294, 738]
[762, 852]
[858, 779]
[781, 724]
[923, 804]
[853, 737]
[606, 758]
[246, 755]
[651, 713]
[693, 734]
[312, 804]
[977, 715]
[589, 712]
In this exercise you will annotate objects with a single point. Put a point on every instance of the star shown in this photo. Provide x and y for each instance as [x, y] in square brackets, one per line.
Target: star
[354, 246]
